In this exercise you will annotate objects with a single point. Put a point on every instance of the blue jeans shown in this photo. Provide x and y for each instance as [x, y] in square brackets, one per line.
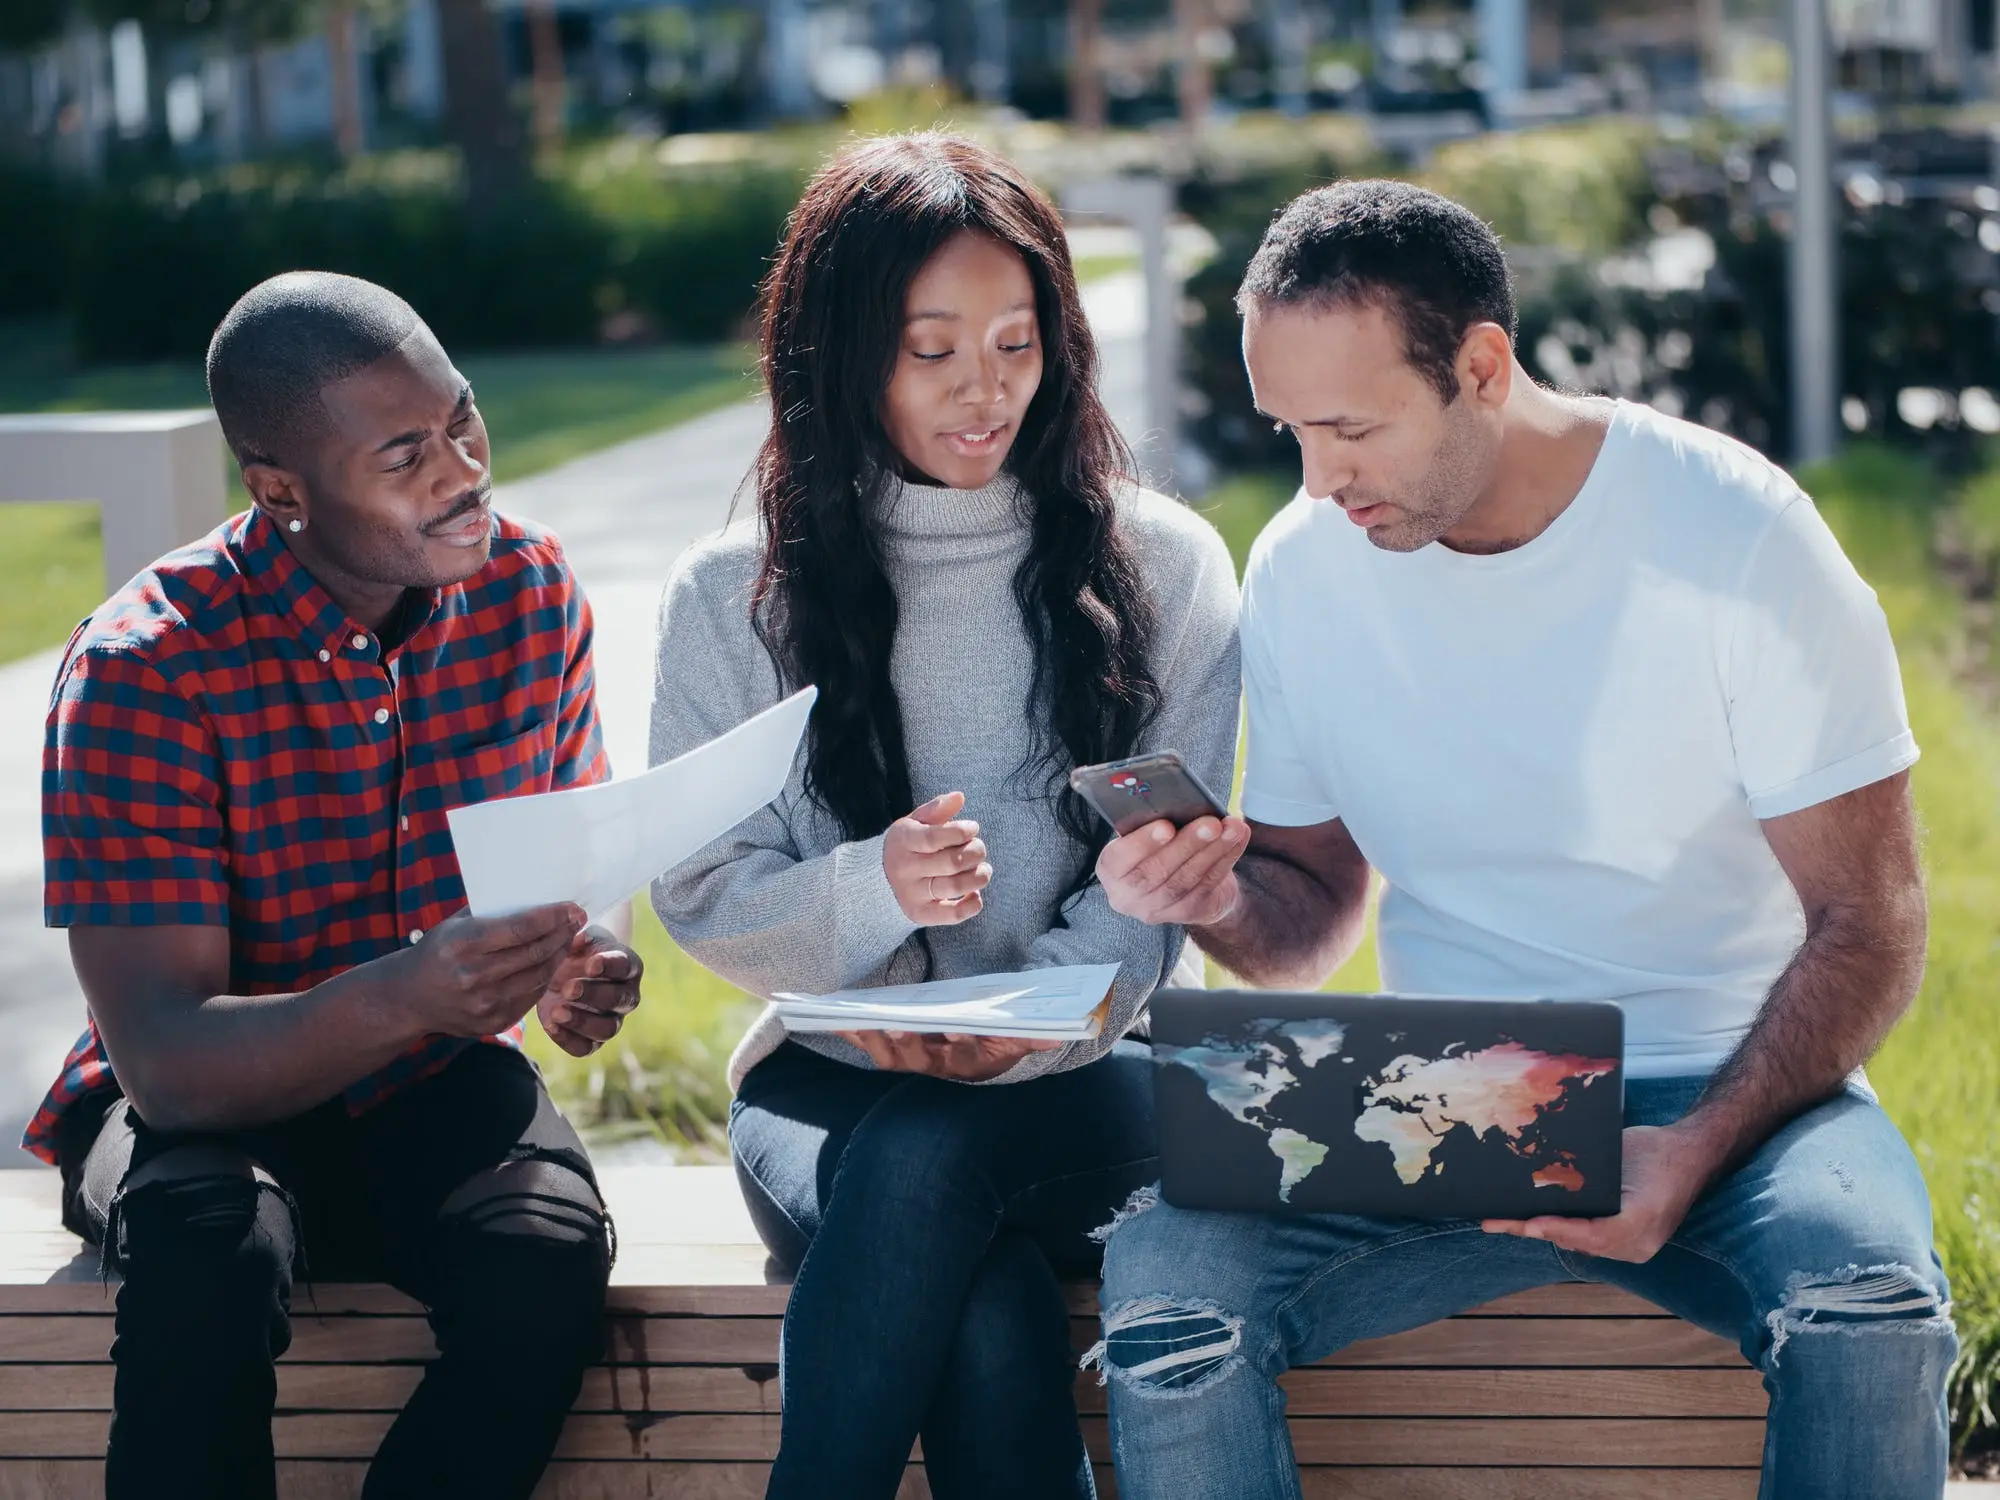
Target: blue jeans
[926, 1221]
[1815, 1257]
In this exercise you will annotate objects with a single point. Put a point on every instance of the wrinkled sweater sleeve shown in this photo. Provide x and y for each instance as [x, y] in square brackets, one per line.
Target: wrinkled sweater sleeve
[750, 907]
[1200, 705]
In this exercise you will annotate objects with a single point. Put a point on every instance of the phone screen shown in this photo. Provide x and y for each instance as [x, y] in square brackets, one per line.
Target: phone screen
[1129, 794]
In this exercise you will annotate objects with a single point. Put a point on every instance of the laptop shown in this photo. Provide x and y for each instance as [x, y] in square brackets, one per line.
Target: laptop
[1388, 1105]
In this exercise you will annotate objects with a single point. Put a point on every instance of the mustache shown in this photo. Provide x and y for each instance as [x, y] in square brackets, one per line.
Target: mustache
[471, 500]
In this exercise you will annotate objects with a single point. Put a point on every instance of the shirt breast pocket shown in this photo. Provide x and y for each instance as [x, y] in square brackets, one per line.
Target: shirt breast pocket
[462, 773]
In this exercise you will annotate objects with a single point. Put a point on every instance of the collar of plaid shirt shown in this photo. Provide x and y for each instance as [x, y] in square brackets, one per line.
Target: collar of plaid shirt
[226, 747]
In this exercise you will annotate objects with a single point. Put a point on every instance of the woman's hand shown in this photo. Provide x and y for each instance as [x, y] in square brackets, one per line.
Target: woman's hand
[936, 866]
[968, 1059]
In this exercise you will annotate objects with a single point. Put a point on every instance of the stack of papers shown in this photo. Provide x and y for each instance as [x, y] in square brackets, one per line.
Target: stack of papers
[1042, 1004]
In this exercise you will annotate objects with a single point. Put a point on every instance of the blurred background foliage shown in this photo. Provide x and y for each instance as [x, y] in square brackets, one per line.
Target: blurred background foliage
[1651, 266]
[610, 246]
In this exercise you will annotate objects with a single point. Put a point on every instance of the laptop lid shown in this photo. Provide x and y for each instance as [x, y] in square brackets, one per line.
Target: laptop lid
[1388, 1105]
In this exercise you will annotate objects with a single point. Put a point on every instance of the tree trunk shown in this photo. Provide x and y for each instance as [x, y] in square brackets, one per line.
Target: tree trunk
[346, 84]
[477, 111]
[545, 42]
[1196, 93]
[1086, 68]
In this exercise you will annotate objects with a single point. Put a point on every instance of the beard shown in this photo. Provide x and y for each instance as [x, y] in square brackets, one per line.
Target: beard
[1442, 495]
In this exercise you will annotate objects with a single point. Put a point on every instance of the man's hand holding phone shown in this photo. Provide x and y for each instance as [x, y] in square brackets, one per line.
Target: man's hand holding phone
[1185, 877]
[1174, 860]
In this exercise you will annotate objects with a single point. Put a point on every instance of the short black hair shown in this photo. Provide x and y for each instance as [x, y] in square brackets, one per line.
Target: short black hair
[284, 341]
[1430, 263]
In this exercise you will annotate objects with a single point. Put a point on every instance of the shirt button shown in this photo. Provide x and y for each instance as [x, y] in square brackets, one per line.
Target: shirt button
[416, 934]
[326, 656]
[406, 825]
[381, 716]
[359, 643]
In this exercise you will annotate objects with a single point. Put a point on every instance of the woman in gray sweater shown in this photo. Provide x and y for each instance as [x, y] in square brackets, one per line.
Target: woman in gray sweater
[946, 545]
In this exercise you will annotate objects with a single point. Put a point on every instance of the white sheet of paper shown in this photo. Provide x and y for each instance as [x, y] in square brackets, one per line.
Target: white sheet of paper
[598, 845]
[1056, 1002]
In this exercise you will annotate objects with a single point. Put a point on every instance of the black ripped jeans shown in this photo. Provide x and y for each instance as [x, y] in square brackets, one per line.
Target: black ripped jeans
[468, 1191]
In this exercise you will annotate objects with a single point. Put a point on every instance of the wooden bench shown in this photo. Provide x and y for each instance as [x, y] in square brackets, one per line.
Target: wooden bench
[1557, 1394]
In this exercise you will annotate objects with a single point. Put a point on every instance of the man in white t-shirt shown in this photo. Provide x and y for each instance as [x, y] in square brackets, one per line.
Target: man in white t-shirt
[1597, 695]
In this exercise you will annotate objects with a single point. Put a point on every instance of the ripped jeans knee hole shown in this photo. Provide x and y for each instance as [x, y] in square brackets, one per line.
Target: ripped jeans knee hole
[1156, 1344]
[1858, 1300]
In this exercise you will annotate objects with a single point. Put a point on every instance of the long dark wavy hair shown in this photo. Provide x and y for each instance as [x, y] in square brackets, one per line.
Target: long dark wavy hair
[833, 315]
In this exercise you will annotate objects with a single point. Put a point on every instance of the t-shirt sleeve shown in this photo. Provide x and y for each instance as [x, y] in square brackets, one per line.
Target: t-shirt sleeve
[1279, 785]
[580, 755]
[132, 820]
[1815, 697]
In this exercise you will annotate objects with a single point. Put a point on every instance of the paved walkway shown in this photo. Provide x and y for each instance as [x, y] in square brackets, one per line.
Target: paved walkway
[624, 514]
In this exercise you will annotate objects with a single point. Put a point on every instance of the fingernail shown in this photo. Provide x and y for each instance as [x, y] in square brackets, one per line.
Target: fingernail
[1161, 833]
[1205, 834]
[560, 1015]
[1231, 834]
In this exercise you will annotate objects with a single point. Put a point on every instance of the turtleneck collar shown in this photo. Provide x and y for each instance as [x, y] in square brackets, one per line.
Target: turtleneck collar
[921, 512]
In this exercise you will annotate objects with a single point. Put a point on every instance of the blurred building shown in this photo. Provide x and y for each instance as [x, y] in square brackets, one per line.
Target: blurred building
[371, 73]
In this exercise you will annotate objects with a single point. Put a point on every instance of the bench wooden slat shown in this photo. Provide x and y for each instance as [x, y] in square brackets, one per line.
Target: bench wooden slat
[356, 1338]
[686, 1245]
[1520, 1484]
[320, 1480]
[733, 1388]
[1551, 1441]
[656, 1281]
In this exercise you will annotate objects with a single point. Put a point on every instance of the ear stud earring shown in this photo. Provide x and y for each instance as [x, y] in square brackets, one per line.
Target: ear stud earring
[297, 525]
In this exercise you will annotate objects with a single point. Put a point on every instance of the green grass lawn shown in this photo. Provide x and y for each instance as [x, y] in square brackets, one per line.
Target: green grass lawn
[541, 409]
[1939, 1073]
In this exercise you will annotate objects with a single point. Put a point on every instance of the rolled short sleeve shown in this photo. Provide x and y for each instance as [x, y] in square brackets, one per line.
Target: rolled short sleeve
[132, 820]
[580, 755]
[1815, 695]
[1279, 784]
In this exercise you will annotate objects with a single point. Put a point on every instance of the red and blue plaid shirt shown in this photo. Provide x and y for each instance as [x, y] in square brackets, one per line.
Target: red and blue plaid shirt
[227, 749]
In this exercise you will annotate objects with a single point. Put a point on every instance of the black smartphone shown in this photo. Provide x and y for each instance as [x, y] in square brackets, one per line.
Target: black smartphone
[1129, 794]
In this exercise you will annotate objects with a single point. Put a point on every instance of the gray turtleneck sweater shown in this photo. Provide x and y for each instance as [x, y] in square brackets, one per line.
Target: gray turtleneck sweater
[783, 902]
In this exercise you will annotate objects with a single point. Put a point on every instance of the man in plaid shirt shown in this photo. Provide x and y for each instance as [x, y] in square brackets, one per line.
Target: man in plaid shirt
[302, 1051]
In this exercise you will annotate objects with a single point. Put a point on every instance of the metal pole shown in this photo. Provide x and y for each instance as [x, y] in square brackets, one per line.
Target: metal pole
[1144, 203]
[1815, 282]
[1503, 48]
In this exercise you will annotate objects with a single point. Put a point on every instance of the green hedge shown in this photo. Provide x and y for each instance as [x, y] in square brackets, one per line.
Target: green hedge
[34, 244]
[147, 271]
[1579, 208]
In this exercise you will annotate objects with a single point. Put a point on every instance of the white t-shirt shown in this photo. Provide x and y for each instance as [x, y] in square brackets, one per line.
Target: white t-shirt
[1557, 756]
